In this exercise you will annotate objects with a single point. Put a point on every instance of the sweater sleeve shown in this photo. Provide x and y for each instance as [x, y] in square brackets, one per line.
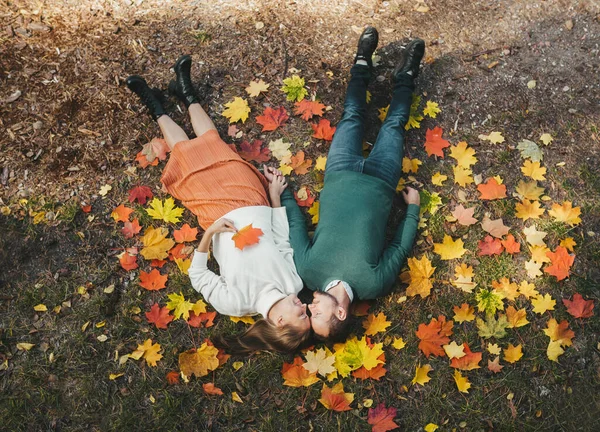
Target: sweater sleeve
[214, 288]
[297, 227]
[281, 233]
[398, 250]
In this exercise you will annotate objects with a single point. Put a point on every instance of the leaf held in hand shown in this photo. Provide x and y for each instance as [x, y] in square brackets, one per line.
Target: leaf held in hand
[246, 236]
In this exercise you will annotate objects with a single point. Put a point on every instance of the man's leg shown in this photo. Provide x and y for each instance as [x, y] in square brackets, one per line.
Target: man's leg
[385, 161]
[345, 153]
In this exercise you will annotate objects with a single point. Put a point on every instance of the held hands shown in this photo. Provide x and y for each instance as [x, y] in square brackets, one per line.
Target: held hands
[277, 184]
[411, 196]
[270, 173]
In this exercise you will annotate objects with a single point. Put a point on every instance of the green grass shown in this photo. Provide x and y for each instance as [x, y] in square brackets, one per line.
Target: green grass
[492, 268]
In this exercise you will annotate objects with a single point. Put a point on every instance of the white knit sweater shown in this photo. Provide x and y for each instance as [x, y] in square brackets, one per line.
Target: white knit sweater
[255, 278]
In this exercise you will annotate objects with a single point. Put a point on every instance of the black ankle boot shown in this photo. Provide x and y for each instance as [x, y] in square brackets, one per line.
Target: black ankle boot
[367, 44]
[410, 59]
[182, 86]
[139, 86]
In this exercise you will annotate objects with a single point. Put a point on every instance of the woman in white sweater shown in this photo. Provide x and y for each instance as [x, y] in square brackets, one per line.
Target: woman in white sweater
[227, 193]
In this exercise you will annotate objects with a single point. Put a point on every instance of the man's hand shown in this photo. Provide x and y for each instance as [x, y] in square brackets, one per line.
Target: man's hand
[222, 225]
[411, 196]
[270, 173]
[276, 188]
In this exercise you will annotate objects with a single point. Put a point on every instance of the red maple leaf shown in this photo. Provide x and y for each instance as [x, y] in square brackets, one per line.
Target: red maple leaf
[128, 261]
[271, 118]
[86, 208]
[467, 362]
[491, 190]
[197, 320]
[490, 246]
[153, 281]
[308, 109]
[141, 194]
[131, 228]
[376, 373]
[382, 418]
[180, 251]
[561, 263]
[157, 263]
[578, 307]
[246, 236]
[511, 246]
[159, 316]
[434, 143]
[434, 335]
[254, 152]
[310, 199]
[323, 130]
[185, 234]
[173, 377]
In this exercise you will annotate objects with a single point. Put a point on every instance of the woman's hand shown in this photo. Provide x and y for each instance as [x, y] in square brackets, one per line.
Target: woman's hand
[270, 173]
[411, 196]
[276, 188]
[222, 225]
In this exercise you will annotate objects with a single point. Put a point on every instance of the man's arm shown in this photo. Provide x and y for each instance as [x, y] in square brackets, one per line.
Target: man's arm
[298, 233]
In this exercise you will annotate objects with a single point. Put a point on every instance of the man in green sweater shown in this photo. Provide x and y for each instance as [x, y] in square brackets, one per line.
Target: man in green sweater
[347, 258]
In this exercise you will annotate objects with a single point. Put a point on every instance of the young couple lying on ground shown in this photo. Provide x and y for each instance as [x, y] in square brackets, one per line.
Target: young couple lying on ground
[346, 259]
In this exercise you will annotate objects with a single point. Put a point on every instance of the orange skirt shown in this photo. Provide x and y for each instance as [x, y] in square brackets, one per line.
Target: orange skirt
[211, 179]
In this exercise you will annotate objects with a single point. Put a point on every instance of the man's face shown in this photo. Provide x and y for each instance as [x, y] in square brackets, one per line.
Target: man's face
[321, 309]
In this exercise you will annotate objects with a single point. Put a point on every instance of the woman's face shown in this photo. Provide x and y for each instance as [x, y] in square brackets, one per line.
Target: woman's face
[291, 311]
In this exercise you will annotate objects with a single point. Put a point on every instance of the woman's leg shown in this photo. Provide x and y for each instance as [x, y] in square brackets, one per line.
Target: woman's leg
[201, 122]
[171, 131]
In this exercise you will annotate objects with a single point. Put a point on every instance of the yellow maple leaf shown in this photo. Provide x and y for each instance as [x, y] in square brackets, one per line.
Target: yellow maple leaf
[368, 98]
[199, 307]
[410, 165]
[462, 383]
[236, 397]
[199, 361]
[398, 343]
[454, 350]
[529, 190]
[421, 376]
[529, 210]
[533, 170]
[559, 332]
[429, 427]
[449, 249]
[167, 212]
[493, 137]
[383, 112]
[543, 303]
[180, 306]
[438, 179]
[156, 245]
[508, 289]
[285, 169]
[314, 212]
[462, 176]
[320, 163]
[538, 254]
[528, 289]
[568, 243]
[512, 353]
[245, 319]
[431, 109]
[183, 264]
[566, 213]
[257, 87]
[463, 313]
[24, 346]
[554, 350]
[464, 155]
[533, 236]
[533, 269]
[493, 348]
[40, 308]
[418, 277]
[148, 351]
[516, 318]
[546, 138]
[237, 109]
[464, 270]
[375, 324]
[320, 362]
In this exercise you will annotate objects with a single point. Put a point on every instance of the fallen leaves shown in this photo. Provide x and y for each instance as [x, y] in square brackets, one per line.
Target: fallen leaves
[335, 399]
[307, 109]
[237, 110]
[199, 361]
[491, 190]
[422, 375]
[449, 248]
[578, 307]
[254, 152]
[434, 143]
[271, 118]
[295, 375]
[158, 316]
[166, 211]
[323, 130]
[375, 324]
[153, 281]
[382, 418]
[418, 277]
[433, 335]
[149, 351]
[156, 244]
[561, 263]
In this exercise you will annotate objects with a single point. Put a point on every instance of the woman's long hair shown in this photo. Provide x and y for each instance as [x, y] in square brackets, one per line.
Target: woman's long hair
[263, 335]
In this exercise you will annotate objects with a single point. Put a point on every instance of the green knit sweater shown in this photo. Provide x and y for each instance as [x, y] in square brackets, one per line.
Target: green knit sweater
[349, 242]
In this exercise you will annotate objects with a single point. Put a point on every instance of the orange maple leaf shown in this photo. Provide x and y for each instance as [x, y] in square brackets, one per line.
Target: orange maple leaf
[173, 377]
[152, 152]
[382, 418]
[131, 228]
[561, 263]
[159, 316]
[209, 388]
[197, 320]
[158, 263]
[153, 281]
[254, 152]
[434, 335]
[128, 261]
[180, 251]
[185, 234]
[140, 194]
[246, 236]
[578, 307]
[305, 202]
[308, 109]
[271, 118]
[323, 130]
[335, 399]
[511, 246]
[86, 208]
[299, 164]
[490, 246]
[491, 190]
[434, 143]
[296, 375]
[375, 373]
[467, 362]
[121, 213]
